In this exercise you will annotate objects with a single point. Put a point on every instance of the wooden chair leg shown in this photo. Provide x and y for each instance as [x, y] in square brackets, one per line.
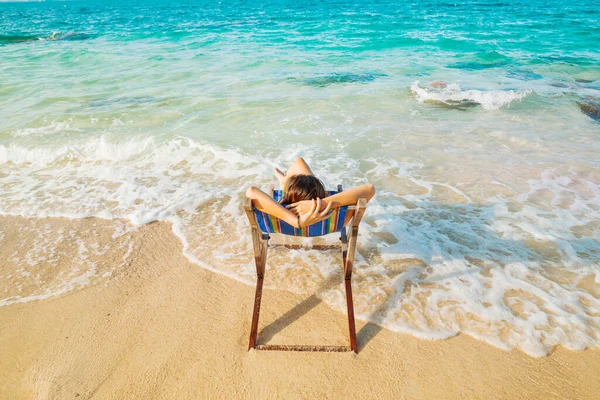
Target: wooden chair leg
[347, 265]
[261, 262]
[350, 307]
[256, 313]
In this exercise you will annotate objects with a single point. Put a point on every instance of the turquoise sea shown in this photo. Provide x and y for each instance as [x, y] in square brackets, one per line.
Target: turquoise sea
[478, 121]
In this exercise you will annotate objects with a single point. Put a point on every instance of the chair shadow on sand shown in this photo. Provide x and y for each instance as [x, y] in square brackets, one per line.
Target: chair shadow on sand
[466, 226]
[269, 331]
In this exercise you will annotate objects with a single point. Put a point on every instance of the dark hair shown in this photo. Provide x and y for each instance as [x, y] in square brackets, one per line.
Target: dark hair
[303, 187]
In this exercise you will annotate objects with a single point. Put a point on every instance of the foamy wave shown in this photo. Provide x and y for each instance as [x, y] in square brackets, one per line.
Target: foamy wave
[139, 179]
[453, 95]
[53, 127]
[45, 259]
[97, 149]
[512, 271]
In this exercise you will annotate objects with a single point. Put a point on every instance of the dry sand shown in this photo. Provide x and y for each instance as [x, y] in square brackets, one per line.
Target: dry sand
[162, 327]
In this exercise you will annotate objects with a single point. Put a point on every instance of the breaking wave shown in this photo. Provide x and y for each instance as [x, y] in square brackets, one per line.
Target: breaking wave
[452, 95]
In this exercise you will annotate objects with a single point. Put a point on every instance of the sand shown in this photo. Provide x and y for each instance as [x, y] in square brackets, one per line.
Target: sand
[161, 327]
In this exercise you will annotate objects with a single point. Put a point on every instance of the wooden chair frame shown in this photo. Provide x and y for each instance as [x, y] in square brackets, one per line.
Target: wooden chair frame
[260, 242]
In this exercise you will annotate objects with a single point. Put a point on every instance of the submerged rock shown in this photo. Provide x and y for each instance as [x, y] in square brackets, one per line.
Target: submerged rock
[8, 39]
[483, 61]
[330, 79]
[71, 36]
[476, 66]
[561, 85]
[590, 106]
[524, 75]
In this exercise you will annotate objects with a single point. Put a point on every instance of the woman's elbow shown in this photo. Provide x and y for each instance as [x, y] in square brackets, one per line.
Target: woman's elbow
[251, 192]
[370, 188]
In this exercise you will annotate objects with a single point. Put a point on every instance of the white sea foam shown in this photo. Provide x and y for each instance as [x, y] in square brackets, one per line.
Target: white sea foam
[454, 95]
[46, 261]
[511, 270]
[53, 127]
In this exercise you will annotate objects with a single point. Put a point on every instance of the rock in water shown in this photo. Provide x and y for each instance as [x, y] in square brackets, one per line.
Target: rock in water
[438, 84]
[590, 106]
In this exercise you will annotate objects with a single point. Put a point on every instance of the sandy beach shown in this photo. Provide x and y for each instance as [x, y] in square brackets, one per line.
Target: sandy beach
[163, 328]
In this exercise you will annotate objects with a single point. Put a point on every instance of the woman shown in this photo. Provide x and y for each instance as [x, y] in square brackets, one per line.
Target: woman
[306, 198]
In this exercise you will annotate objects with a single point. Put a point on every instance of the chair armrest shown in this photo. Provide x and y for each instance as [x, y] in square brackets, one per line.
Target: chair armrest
[248, 204]
[359, 211]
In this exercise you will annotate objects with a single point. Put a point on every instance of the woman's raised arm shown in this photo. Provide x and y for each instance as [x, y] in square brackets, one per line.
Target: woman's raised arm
[345, 198]
[266, 203]
[351, 196]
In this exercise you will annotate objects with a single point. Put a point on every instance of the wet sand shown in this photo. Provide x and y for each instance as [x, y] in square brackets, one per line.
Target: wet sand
[161, 327]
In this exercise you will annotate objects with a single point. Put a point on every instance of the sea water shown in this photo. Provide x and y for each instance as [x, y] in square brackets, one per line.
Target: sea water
[464, 114]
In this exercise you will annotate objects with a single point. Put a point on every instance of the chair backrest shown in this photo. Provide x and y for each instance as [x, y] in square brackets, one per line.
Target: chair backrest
[270, 224]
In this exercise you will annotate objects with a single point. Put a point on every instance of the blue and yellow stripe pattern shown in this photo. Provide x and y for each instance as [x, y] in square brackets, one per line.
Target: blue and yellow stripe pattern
[271, 224]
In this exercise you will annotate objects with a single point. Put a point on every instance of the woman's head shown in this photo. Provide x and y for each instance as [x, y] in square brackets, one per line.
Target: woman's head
[303, 187]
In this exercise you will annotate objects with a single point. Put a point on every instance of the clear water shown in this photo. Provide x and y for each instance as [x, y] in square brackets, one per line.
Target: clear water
[487, 217]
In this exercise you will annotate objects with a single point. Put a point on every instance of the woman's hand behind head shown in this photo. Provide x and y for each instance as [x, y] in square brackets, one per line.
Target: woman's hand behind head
[313, 215]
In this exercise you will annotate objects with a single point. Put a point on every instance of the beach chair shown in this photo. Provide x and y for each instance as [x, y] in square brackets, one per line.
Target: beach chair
[263, 225]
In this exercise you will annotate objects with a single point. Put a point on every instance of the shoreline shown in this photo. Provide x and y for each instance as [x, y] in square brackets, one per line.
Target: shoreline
[163, 327]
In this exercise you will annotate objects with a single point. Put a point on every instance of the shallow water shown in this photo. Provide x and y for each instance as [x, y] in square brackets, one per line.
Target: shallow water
[465, 117]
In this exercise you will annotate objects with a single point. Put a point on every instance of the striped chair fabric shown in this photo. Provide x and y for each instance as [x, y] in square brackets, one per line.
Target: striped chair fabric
[271, 224]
